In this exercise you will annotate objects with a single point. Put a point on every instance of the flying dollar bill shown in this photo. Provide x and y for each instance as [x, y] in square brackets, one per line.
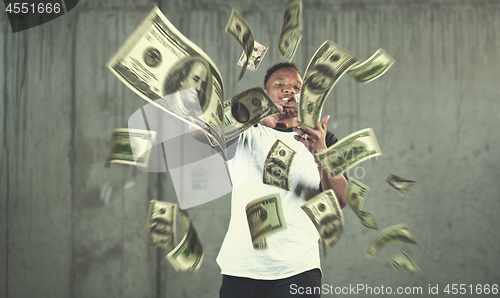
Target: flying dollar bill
[329, 63]
[258, 53]
[265, 217]
[293, 17]
[401, 185]
[262, 245]
[349, 151]
[367, 219]
[245, 110]
[277, 165]
[157, 60]
[372, 68]
[289, 42]
[239, 28]
[162, 224]
[326, 215]
[188, 254]
[356, 193]
[394, 234]
[131, 146]
[403, 262]
[290, 32]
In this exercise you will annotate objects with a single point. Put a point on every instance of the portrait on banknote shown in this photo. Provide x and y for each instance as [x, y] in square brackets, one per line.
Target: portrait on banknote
[329, 225]
[240, 112]
[275, 171]
[320, 80]
[190, 72]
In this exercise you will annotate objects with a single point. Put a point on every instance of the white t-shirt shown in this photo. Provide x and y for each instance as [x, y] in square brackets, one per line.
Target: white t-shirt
[291, 251]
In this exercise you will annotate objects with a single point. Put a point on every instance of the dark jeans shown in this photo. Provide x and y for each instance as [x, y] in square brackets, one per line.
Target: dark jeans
[241, 287]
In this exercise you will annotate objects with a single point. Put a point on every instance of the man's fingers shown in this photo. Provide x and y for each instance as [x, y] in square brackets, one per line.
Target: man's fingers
[324, 123]
[290, 111]
[300, 139]
[300, 131]
[293, 111]
[305, 129]
[292, 104]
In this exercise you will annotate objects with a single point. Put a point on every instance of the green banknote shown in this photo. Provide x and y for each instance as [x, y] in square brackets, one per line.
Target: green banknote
[162, 224]
[403, 262]
[131, 146]
[277, 165]
[265, 217]
[239, 28]
[290, 32]
[356, 193]
[373, 67]
[399, 233]
[401, 185]
[245, 110]
[326, 215]
[188, 254]
[328, 65]
[157, 62]
[349, 151]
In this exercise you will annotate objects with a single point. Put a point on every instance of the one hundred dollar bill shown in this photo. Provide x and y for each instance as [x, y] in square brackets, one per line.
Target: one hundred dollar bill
[349, 151]
[329, 63]
[277, 165]
[131, 146]
[289, 42]
[293, 17]
[157, 60]
[403, 262]
[290, 32]
[399, 233]
[239, 28]
[265, 217]
[258, 53]
[356, 193]
[326, 215]
[162, 224]
[262, 245]
[188, 254]
[367, 219]
[373, 67]
[245, 110]
[401, 185]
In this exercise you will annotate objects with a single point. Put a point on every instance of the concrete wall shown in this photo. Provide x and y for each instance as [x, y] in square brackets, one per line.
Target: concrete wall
[435, 113]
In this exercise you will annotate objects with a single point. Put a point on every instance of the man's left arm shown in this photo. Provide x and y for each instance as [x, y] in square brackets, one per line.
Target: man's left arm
[314, 140]
[338, 184]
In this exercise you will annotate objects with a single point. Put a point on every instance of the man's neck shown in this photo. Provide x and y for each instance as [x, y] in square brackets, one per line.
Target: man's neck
[285, 124]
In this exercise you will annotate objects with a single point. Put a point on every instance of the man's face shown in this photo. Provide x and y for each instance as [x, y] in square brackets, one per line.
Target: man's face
[197, 78]
[283, 85]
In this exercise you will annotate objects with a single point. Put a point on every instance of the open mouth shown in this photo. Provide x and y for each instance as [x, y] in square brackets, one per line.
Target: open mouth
[287, 98]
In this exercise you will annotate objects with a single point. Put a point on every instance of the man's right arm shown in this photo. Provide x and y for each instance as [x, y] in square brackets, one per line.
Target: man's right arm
[200, 136]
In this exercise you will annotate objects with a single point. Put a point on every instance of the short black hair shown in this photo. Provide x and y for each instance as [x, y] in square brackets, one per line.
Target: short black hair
[275, 67]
